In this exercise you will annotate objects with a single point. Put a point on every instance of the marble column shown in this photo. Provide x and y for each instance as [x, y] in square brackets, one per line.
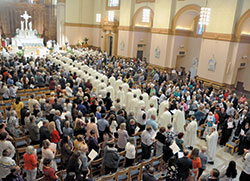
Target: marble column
[60, 22]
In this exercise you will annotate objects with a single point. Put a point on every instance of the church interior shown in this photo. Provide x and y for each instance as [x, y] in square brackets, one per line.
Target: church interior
[125, 90]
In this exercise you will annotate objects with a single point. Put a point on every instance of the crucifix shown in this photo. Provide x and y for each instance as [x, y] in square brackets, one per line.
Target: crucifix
[25, 16]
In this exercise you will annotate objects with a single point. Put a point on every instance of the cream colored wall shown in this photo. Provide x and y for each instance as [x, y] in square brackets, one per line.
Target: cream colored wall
[218, 50]
[124, 36]
[222, 16]
[74, 34]
[72, 11]
[126, 12]
[160, 41]
[192, 47]
[81, 11]
[242, 75]
[162, 10]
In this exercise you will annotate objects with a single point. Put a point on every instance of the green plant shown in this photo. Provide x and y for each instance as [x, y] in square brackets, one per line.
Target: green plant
[20, 54]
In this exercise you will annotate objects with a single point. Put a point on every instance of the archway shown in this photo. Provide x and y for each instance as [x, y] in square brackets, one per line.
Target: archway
[242, 34]
[141, 38]
[187, 41]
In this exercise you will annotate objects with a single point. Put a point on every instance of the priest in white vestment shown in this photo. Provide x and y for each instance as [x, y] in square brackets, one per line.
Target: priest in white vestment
[137, 92]
[128, 99]
[125, 87]
[212, 140]
[140, 104]
[146, 100]
[120, 94]
[152, 111]
[162, 106]
[164, 119]
[112, 92]
[112, 81]
[133, 104]
[179, 121]
[191, 133]
[154, 100]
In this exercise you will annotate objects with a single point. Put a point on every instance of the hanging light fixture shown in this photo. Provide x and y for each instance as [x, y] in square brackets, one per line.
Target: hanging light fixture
[205, 15]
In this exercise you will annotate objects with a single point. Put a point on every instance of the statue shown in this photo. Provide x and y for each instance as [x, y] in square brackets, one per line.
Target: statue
[26, 17]
[211, 65]
[22, 25]
[30, 26]
[157, 52]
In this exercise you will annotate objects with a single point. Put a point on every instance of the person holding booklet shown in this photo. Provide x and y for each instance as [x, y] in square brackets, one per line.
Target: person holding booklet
[227, 129]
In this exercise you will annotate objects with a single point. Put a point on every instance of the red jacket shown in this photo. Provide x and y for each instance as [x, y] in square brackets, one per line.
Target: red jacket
[49, 173]
[30, 161]
[55, 138]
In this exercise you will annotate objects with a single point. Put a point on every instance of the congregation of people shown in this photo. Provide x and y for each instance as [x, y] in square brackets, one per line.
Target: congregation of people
[111, 106]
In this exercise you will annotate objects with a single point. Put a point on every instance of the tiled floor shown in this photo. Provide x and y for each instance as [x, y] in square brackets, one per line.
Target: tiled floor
[222, 158]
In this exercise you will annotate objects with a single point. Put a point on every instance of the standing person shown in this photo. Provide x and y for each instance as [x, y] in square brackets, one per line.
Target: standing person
[55, 138]
[227, 129]
[245, 174]
[179, 120]
[33, 131]
[147, 142]
[18, 105]
[172, 170]
[203, 156]
[102, 124]
[212, 140]
[66, 150]
[130, 152]
[93, 142]
[92, 126]
[179, 141]
[6, 163]
[184, 165]
[122, 137]
[110, 158]
[230, 173]
[30, 163]
[44, 132]
[194, 156]
[4, 144]
[191, 133]
[160, 141]
[48, 170]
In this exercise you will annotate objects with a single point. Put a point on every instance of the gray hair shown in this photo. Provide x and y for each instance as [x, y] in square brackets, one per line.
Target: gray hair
[30, 150]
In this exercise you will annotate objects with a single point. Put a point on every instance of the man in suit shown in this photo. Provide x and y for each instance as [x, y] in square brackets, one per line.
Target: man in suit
[234, 100]
[184, 165]
[44, 131]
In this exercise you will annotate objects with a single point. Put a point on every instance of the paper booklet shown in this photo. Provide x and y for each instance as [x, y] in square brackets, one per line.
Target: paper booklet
[175, 148]
[93, 154]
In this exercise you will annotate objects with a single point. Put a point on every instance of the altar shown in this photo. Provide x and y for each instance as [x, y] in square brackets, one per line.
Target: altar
[26, 37]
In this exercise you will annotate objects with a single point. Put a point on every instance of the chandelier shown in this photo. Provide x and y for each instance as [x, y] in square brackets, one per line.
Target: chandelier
[204, 16]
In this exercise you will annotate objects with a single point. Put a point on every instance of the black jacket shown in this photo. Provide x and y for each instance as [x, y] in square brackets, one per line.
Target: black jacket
[44, 134]
[184, 165]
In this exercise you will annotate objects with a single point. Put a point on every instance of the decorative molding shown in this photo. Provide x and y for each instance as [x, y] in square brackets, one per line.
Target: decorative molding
[82, 25]
[109, 25]
[240, 23]
[125, 28]
[108, 8]
[144, 1]
[218, 36]
[161, 31]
